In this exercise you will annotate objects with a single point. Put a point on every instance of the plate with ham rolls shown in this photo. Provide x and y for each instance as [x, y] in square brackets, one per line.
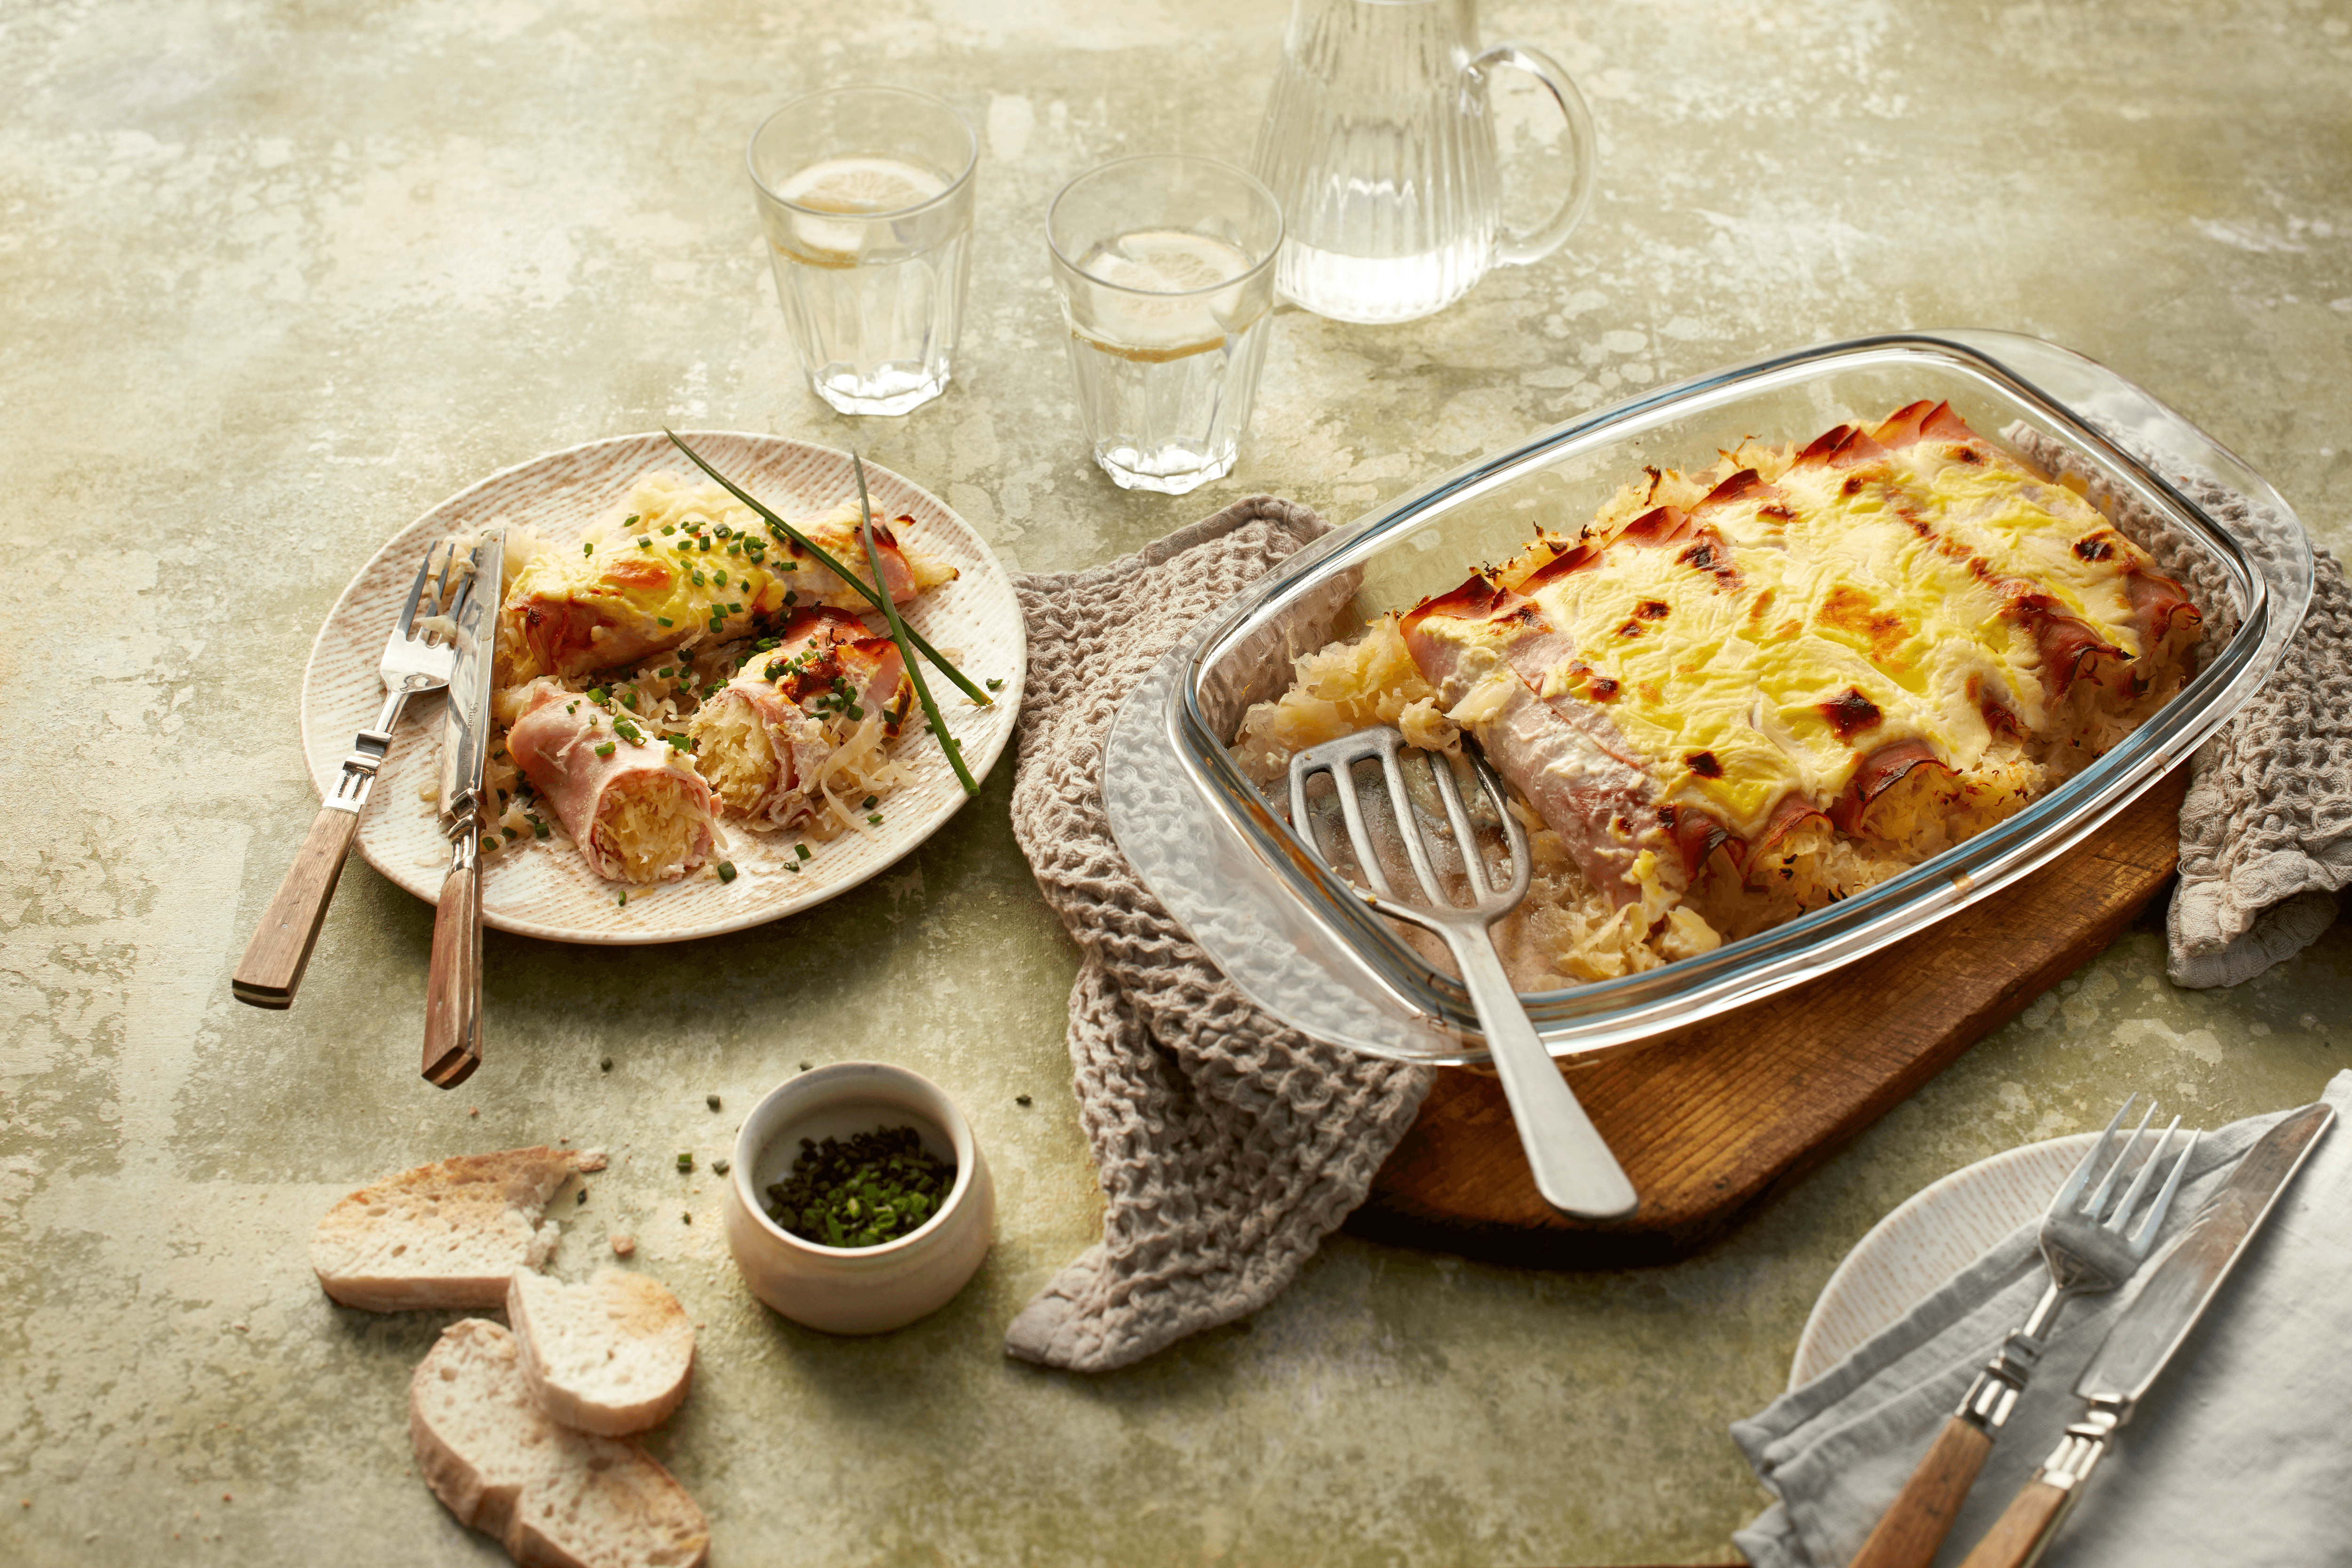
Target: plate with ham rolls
[700, 724]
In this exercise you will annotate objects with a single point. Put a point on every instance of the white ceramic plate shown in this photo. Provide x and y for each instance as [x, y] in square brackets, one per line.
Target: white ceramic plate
[544, 890]
[1935, 1233]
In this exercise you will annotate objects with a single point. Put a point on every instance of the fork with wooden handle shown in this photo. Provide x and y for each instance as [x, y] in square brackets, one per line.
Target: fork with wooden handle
[2089, 1248]
[271, 970]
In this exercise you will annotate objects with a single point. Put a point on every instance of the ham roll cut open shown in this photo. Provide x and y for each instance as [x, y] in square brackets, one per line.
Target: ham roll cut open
[631, 802]
[1742, 693]
[685, 564]
[825, 700]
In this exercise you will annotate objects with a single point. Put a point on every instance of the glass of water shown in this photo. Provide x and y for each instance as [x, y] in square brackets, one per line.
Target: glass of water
[1166, 270]
[866, 196]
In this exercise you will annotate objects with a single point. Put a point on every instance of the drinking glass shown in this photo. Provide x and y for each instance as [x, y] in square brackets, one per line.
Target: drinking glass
[866, 196]
[1165, 266]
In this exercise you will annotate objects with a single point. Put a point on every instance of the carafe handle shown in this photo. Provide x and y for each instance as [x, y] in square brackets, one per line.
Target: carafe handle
[1520, 249]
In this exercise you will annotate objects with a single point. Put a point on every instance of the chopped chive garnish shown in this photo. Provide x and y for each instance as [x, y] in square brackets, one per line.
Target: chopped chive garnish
[785, 530]
[685, 1162]
[606, 750]
[588, 547]
[726, 870]
[629, 701]
[801, 850]
[875, 820]
[631, 520]
[644, 543]
[601, 696]
[665, 621]
[624, 901]
[719, 576]
[868, 803]
[996, 686]
[669, 528]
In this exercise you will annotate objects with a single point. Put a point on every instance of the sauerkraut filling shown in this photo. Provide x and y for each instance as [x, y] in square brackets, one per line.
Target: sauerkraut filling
[1740, 694]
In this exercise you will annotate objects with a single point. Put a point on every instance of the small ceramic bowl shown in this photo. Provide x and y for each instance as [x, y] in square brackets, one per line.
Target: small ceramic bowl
[861, 1289]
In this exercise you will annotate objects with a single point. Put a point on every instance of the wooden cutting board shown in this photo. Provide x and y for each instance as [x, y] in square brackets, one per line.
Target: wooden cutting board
[1709, 1121]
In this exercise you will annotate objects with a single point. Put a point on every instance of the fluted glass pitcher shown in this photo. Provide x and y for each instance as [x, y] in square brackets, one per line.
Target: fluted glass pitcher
[1379, 143]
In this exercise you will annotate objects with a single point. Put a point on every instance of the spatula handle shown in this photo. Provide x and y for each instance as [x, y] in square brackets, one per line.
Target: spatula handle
[1922, 1515]
[1572, 1166]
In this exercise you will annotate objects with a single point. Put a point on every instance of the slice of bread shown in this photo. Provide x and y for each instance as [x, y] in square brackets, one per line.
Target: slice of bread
[445, 1235]
[554, 1498]
[613, 1355]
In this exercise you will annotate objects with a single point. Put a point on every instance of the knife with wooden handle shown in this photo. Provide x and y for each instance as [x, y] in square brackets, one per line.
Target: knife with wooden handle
[452, 989]
[2147, 1333]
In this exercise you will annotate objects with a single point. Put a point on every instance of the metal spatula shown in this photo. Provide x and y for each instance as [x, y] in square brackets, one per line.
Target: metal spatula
[1573, 1168]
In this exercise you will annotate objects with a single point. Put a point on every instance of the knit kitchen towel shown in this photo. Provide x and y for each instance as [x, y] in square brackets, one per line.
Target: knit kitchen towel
[2266, 829]
[1228, 1145]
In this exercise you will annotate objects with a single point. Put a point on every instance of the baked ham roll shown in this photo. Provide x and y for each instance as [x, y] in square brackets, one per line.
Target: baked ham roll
[632, 803]
[831, 690]
[682, 564]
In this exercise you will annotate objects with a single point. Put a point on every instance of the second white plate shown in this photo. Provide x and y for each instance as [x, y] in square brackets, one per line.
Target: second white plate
[1933, 1235]
[545, 889]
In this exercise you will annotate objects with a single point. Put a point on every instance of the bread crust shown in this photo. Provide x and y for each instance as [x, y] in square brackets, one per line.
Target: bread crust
[447, 1235]
[552, 1497]
[612, 1356]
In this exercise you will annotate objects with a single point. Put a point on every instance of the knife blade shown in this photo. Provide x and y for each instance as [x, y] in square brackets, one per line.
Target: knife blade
[2145, 1338]
[452, 989]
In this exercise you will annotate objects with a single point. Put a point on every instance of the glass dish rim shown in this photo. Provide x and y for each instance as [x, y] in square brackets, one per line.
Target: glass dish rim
[1603, 1014]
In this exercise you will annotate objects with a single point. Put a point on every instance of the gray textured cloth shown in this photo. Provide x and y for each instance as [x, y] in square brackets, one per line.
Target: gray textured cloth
[2237, 1456]
[1228, 1146]
[2266, 829]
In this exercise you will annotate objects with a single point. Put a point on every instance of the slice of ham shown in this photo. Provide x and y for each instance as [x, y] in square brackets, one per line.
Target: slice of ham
[1483, 648]
[828, 664]
[554, 744]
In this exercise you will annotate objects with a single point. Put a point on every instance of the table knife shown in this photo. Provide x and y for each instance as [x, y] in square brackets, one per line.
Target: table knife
[2147, 1333]
[453, 990]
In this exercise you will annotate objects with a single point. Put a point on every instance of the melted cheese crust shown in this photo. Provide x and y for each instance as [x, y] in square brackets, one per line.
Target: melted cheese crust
[1822, 613]
[682, 562]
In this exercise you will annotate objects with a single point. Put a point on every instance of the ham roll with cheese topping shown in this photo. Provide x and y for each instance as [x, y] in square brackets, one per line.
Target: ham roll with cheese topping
[686, 565]
[632, 803]
[822, 702]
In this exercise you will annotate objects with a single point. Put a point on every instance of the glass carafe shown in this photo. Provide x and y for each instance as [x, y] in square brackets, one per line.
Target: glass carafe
[1379, 143]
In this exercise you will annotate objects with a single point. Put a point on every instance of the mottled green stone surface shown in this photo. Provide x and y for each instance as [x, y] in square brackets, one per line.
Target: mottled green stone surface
[275, 278]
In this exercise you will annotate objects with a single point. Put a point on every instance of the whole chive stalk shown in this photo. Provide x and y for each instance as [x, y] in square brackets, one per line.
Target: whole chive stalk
[873, 595]
[899, 635]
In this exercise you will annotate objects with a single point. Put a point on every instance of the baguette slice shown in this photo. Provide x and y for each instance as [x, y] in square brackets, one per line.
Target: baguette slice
[554, 1498]
[612, 1356]
[445, 1235]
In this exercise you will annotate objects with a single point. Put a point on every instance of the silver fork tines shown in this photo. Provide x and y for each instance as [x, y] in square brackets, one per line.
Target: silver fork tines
[2089, 1246]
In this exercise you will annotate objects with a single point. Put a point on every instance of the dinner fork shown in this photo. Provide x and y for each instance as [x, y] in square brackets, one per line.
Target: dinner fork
[2089, 1248]
[1573, 1168]
[413, 660]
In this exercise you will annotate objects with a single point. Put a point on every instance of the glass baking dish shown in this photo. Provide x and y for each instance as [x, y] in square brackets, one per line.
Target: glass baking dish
[1298, 943]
